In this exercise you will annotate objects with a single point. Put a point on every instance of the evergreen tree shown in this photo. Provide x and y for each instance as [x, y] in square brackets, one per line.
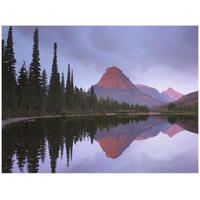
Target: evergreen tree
[72, 81]
[44, 91]
[63, 83]
[4, 76]
[3, 51]
[137, 108]
[22, 89]
[30, 92]
[68, 96]
[172, 107]
[93, 99]
[72, 91]
[9, 81]
[62, 92]
[77, 99]
[54, 87]
[36, 76]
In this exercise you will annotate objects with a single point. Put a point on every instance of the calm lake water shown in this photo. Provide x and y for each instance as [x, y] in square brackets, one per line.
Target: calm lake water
[144, 144]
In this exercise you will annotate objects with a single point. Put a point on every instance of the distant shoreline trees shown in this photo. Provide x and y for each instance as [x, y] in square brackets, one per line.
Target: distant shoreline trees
[189, 107]
[29, 94]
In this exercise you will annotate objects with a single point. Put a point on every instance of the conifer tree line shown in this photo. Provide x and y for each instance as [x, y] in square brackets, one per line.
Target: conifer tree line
[190, 107]
[31, 95]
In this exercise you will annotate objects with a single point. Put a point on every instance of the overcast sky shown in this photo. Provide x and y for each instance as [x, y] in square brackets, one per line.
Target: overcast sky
[157, 56]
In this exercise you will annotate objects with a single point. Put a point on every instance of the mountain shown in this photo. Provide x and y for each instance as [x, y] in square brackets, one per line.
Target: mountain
[116, 140]
[191, 98]
[154, 93]
[172, 94]
[114, 78]
[166, 96]
[119, 138]
[173, 130]
[188, 99]
[118, 87]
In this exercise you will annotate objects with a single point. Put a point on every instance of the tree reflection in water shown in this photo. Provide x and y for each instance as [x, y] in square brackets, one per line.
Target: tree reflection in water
[27, 141]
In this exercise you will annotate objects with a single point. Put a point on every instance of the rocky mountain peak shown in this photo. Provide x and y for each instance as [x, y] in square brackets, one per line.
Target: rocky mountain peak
[114, 78]
[173, 94]
[113, 69]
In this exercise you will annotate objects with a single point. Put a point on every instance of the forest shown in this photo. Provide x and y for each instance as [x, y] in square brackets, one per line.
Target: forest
[189, 107]
[29, 94]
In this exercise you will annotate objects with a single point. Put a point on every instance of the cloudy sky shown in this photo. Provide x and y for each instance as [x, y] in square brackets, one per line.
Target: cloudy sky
[157, 56]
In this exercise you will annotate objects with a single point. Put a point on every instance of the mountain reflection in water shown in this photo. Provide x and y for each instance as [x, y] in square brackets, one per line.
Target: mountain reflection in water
[28, 145]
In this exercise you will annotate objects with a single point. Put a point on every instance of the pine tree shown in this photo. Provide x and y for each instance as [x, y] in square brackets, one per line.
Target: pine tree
[22, 89]
[4, 75]
[9, 81]
[93, 99]
[72, 81]
[44, 91]
[36, 80]
[30, 92]
[72, 91]
[54, 87]
[62, 92]
[68, 90]
[63, 83]
[3, 51]
[77, 99]
[137, 107]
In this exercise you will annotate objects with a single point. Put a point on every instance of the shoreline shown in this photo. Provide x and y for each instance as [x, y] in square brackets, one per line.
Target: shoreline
[8, 121]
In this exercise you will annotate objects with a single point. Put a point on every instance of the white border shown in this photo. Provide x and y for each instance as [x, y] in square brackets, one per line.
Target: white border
[100, 186]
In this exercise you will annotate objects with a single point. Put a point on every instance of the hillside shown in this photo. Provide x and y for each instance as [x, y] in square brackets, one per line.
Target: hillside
[186, 100]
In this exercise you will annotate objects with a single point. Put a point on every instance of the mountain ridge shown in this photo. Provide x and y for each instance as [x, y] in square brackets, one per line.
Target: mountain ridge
[154, 93]
[115, 84]
[187, 99]
[172, 94]
[119, 79]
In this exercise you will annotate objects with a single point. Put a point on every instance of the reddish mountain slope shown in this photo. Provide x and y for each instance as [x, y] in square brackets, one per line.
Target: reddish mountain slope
[114, 146]
[173, 130]
[172, 94]
[114, 141]
[118, 87]
[114, 78]
[119, 138]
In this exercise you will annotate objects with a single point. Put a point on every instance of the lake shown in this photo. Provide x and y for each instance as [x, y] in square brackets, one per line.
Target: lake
[104, 144]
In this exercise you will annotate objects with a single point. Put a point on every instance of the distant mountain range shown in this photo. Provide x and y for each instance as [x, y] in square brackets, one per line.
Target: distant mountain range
[115, 84]
[166, 96]
[186, 100]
